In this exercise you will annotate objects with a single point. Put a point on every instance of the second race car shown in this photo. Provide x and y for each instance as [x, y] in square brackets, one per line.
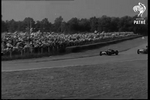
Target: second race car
[143, 50]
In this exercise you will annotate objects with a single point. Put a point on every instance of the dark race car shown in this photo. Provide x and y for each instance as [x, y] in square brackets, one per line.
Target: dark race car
[143, 50]
[109, 52]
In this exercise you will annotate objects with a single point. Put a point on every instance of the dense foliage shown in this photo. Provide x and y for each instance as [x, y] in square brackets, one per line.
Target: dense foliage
[75, 25]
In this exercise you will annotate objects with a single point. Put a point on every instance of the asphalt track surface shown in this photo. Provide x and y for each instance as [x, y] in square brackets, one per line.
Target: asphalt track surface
[124, 56]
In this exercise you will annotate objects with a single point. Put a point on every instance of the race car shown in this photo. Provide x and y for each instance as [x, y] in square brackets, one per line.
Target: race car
[143, 50]
[109, 52]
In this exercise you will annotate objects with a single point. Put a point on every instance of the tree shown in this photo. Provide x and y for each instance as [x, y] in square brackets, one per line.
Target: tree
[93, 24]
[57, 24]
[3, 27]
[125, 23]
[84, 25]
[114, 24]
[28, 23]
[37, 26]
[73, 25]
[20, 27]
[45, 25]
[11, 25]
[104, 24]
[63, 27]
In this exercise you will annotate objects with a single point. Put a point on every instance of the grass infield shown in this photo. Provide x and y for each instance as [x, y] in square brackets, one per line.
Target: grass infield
[126, 80]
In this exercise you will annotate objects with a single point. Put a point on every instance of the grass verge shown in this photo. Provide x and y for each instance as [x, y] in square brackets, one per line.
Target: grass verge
[126, 80]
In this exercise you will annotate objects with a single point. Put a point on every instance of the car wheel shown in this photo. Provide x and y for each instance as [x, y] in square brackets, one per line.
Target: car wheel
[100, 53]
[138, 52]
[117, 52]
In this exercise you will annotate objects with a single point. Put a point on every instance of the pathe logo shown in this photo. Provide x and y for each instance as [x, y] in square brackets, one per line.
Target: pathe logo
[141, 9]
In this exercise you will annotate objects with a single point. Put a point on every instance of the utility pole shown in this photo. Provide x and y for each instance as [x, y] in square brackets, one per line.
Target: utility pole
[2, 42]
[29, 31]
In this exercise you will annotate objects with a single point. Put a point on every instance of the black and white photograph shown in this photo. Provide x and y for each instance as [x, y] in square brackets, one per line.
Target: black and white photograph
[74, 49]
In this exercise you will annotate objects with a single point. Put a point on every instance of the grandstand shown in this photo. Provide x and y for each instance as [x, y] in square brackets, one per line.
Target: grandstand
[19, 43]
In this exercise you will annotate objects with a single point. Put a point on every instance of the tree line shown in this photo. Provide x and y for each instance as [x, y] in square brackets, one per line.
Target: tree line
[76, 25]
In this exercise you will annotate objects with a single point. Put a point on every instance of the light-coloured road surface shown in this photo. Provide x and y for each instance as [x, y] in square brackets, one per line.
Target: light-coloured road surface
[129, 55]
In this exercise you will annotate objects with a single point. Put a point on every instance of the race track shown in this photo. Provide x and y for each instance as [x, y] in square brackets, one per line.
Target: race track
[128, 55]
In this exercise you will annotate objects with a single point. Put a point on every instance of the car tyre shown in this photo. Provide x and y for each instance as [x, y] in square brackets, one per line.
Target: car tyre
[117, 52]
[100, 53]
[138, 52]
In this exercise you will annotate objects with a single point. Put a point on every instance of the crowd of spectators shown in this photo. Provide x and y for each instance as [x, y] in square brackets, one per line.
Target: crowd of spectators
[41, 42]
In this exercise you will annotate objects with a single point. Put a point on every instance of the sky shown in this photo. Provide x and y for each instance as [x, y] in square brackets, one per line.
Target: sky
[51, 9]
